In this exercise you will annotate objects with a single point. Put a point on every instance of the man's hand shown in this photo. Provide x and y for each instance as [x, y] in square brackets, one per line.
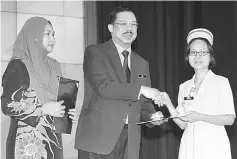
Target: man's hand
[153, 94]
[157, 118]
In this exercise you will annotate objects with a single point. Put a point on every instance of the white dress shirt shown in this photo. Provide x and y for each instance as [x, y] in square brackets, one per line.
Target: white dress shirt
[120, 50]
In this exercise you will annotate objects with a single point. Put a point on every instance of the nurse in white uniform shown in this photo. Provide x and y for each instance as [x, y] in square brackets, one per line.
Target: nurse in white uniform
[205, 103]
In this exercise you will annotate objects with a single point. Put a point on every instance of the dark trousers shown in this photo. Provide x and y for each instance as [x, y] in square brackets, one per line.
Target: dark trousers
[120, 150]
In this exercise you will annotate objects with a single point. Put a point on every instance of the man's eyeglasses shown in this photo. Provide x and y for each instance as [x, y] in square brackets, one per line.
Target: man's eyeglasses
[200, 53]
[125, 24]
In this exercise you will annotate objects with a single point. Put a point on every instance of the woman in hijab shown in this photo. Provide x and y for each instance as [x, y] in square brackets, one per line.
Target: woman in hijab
[29, 94]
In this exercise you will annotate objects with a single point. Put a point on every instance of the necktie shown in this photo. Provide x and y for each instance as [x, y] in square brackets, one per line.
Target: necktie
[125, 65]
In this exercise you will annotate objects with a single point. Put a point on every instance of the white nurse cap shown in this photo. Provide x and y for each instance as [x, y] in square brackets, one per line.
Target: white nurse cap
[200, 33]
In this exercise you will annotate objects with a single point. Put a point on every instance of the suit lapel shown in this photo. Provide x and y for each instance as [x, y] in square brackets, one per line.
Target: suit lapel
[116, 63]
[134, 66]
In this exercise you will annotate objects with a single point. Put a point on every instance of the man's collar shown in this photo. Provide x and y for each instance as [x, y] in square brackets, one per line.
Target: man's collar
[120, 49]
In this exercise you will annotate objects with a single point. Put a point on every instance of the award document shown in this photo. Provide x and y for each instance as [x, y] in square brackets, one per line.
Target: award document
[163, 118]
[67, 91]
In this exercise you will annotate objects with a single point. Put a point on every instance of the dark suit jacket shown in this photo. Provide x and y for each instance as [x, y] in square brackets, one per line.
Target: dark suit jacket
[108, 98]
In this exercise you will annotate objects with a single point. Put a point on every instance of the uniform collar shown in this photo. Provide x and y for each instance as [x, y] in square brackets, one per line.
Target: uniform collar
[208, 76]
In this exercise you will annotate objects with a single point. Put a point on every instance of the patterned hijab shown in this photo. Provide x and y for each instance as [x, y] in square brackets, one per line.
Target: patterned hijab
[42, 69]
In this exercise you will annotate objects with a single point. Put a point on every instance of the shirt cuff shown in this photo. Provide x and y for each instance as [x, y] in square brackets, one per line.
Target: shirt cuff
[139, 93]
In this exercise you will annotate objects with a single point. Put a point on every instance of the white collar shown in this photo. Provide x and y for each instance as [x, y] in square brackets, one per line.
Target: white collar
[208, 75]
[120, 49]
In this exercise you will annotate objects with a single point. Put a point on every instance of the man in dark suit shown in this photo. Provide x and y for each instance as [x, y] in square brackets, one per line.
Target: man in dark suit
[117, 90]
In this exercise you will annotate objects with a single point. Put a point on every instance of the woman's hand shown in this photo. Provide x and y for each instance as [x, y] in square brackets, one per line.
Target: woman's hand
[191, 117]
[55, 109]
[167, 102]
[166, 99]
[73, 114]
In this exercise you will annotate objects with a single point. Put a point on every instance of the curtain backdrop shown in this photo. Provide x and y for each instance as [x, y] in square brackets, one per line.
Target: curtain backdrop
[162, 31]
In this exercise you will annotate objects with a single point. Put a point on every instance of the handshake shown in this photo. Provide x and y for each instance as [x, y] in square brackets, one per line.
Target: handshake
[159, 98]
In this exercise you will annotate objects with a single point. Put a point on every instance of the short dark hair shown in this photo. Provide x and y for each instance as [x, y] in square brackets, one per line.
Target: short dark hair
[210, 49]
[113, 14]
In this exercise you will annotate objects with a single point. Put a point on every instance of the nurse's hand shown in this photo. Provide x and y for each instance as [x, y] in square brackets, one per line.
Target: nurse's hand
[191, 116]
[166, 99]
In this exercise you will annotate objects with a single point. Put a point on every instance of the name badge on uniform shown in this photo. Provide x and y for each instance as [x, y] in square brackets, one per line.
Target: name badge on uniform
[189, 98]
